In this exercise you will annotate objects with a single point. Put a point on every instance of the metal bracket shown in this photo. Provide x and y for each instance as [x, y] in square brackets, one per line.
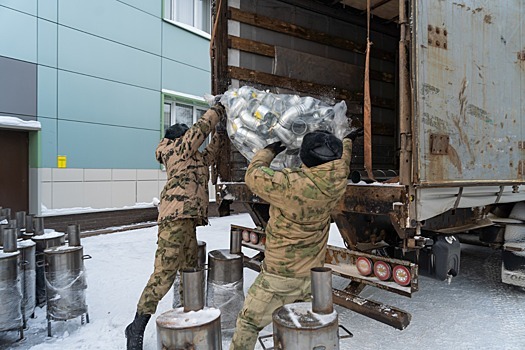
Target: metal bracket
[500, 193]
[456, 204]
[439, 143]
[437, 37]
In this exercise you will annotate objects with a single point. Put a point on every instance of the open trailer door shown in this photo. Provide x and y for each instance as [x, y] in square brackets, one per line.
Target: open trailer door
[468, 75]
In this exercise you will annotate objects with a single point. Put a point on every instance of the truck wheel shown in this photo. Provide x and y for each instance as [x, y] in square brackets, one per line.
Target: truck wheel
[382, 270]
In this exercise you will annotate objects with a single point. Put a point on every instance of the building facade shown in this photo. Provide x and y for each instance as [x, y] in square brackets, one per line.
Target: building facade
[103, 78]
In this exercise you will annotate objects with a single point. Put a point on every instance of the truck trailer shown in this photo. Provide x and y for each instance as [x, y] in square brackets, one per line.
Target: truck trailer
[438, 87]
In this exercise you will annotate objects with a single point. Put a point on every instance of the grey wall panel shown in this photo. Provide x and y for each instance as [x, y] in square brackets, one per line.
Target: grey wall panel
[17, 88]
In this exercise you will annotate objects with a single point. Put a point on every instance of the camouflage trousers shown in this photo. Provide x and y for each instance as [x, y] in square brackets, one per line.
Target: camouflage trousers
[267, 293]
[176, 250]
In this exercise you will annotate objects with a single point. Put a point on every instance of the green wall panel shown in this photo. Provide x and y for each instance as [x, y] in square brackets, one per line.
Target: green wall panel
[91, 55]
[115, 20]
[47, 43]
[47, 92]
[100, 146]
[186, 47]
[182, 78]
[17, 35]
[48, 142]
[27, 6]
[48, 9]
[84, 98]
[151, 7]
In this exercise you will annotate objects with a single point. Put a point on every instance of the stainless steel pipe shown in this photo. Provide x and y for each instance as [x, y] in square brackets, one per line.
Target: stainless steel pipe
[20, 219]
[322, 301]
[235, 242]
[193, 285]
[73, 235]
[38, 225]
[10, 240]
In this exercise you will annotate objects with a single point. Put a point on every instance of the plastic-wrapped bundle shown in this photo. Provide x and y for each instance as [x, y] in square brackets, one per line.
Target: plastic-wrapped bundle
[225, 285]
[66, 298]
[65, 282]
[10, 292]
[258, 118]
[229, 298]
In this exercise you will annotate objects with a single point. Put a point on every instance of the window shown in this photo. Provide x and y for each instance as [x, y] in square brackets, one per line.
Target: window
[185, 113]
[194, 13]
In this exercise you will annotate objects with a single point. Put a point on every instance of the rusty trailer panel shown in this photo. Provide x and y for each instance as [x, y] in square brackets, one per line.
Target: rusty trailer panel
[468, 92]
[343, 263]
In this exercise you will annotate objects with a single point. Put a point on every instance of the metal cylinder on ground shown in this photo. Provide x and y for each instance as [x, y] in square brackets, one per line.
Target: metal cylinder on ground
[225, 285]
[10, 291]
[201, 262]
[309, 326]
[296, 326]
[196, 330]
[44, 241]
[65, 282]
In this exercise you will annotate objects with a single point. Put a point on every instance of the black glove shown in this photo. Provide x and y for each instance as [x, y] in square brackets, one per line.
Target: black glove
[220, 128]
[355, 134]
[276, 147]
[220, 110]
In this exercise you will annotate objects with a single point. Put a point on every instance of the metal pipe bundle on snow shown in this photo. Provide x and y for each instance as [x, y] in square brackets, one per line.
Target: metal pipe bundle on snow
[10, 288]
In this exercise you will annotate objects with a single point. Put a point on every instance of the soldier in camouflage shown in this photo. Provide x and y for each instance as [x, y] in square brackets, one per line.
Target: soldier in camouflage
[183, 207]
[301, 200]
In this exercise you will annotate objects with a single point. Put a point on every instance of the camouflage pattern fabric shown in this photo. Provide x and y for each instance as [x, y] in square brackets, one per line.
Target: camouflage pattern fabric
[301, 200]
[267, 294]
[177, 249]
[185, 194]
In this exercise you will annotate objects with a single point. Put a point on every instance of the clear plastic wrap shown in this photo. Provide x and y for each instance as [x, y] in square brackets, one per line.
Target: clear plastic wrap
[229, 298]
[29, 292]
[258, 118]
[10, 305]
[66, 294]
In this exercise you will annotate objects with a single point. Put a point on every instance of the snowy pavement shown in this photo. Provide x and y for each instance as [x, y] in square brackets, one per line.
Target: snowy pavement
[476, 311]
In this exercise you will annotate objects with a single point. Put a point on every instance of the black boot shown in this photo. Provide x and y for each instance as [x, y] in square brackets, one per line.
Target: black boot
[135, 332]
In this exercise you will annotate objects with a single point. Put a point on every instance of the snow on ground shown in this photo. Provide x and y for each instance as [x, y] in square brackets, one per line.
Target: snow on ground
[476, 311]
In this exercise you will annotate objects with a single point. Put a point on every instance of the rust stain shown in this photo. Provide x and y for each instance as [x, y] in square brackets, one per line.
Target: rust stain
[463, 99]
[454, 158]
[487, 19]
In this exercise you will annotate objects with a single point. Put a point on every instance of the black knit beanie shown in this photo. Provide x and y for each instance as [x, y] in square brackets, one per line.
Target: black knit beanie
[319, 147]
[175, 131]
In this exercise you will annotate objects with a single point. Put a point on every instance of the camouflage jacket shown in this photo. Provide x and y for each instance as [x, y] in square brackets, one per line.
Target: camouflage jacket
[301, 200]
[185, 194]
